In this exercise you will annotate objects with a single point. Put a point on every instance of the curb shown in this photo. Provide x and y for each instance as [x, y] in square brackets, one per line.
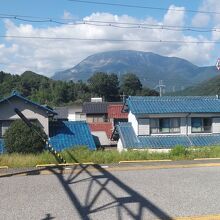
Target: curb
[217, 158]
[142, 161]
[203, 217]
[63, 164]
[3, 167]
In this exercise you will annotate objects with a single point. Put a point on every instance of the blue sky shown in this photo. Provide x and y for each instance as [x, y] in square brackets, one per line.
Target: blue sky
[49, 56]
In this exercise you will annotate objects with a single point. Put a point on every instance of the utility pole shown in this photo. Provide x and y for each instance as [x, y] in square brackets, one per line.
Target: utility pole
[161, 86]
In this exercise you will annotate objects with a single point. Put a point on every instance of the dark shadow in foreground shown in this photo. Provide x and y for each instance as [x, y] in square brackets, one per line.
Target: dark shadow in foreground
[102, 180]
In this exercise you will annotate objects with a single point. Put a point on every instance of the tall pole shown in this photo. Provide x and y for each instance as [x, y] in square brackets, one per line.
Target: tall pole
[161, 86]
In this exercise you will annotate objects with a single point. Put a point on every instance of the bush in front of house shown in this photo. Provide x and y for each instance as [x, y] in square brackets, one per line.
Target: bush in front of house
[19, 138]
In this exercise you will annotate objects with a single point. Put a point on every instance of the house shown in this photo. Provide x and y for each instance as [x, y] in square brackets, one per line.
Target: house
[31, 110]
[165, 122]
[70, 113]
[95, 111]
[116, 115]
[75, 113]
[61, 133]
[102, 117]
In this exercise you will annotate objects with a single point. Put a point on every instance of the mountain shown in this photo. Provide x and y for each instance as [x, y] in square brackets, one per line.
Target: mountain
[176, 73]
[206, 88]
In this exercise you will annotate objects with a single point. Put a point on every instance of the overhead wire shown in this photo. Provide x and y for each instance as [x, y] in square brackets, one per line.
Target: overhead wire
[116, 24]
[144, 7]
[109, 40]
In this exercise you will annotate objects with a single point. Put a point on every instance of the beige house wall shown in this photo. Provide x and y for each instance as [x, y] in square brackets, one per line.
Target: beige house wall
[28, 110]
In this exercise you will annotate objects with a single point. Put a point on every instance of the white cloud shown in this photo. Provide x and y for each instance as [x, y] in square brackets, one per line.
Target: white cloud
[204, 19]
[174, 16]
[201, 20]
[47, 56]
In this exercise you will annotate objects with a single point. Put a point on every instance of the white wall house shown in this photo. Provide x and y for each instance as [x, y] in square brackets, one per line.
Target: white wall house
[75, 113]
[175, 124]
[164, 122]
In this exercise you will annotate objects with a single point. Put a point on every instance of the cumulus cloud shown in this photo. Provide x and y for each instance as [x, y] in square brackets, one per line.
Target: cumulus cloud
[48, 56]
[174, 16]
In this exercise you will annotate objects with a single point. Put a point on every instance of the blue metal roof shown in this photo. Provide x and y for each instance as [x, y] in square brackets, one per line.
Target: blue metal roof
[127, 134]
[68, 134]
[169, 104]
[16, 94]
[130, 140]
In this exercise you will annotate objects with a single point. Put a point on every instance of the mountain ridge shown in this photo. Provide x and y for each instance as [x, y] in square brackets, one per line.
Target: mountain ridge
[150, 67]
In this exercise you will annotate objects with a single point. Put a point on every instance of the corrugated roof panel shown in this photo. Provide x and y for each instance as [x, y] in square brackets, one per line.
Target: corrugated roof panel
[127, 134]
[164, 141]
[67, 134]
[130, 140]
[157, 105]
[205, 140]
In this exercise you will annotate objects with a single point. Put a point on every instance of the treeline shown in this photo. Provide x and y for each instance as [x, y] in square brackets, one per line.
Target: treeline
[55, 93]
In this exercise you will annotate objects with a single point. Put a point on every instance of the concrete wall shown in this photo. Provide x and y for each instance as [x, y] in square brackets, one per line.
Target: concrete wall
[29, 111]
[216, 125]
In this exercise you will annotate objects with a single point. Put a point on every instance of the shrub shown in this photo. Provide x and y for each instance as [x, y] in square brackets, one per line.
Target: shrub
[19, 138]
[178, 151]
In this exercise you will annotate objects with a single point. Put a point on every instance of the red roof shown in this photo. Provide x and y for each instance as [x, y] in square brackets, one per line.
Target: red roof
[102, 126]
[114, 111]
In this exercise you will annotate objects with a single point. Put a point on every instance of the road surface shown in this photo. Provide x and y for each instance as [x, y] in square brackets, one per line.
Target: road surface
[101, 194]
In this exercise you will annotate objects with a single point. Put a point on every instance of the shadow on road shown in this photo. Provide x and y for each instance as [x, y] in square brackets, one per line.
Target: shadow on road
[100, 182]
[104, 181]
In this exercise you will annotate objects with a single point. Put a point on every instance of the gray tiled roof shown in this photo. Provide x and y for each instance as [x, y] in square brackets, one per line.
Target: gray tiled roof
[62, 112]
[97, 107]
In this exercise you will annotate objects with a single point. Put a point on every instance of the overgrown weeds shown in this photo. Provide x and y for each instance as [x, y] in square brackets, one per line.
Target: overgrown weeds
[82, 154]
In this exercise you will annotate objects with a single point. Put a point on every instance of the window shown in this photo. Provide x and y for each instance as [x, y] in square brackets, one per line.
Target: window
[4, 125]
[201, 125]
[154, 125]
[164, 125]
[80, 116]
[175, 125]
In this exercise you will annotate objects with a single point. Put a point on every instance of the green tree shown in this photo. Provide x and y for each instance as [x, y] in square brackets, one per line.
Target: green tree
[19, 138]
[130, 84]
[148, 92]
[104, 85]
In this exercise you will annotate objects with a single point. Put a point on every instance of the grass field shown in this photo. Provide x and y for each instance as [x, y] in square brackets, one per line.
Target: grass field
[106, 157]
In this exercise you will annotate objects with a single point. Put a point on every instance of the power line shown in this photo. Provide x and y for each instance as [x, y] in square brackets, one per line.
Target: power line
[107, 39]
[145, 7]
[113, 24]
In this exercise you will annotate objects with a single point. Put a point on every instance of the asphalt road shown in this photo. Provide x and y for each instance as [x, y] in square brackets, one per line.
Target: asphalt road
[101, 194]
